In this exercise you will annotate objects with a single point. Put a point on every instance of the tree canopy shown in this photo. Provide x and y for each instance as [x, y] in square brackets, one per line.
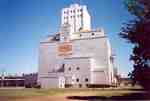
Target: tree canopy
[137, 32]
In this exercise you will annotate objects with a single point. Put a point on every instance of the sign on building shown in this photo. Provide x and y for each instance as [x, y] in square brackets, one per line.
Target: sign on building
[64, 49]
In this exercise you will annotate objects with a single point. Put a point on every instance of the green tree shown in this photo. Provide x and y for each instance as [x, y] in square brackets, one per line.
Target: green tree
[137, 32]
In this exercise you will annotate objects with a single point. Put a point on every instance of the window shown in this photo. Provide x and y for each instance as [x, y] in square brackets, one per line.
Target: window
[65, 17]
[86, 79]
[87, 85]
[93, 33]
[77, 80]
[78, 68]
[80, 85]
[69, 69]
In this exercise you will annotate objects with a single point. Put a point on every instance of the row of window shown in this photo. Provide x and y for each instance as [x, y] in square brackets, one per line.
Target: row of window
[80, 85]
[91, 34]
[73, 16]
[73, 11]
[76, 68]
[86, 80]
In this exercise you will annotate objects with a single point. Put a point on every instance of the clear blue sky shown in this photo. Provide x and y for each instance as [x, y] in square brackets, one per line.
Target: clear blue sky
[23, 23]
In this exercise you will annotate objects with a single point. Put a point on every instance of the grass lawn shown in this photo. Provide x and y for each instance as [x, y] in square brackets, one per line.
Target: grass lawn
[22, 93]
[29, 93]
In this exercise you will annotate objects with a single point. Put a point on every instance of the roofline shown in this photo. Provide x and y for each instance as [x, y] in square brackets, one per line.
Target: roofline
[76, 39]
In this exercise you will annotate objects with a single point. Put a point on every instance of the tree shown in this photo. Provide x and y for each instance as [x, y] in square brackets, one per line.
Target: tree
[137, 32]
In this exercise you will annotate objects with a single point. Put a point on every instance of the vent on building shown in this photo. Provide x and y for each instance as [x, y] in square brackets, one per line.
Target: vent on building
[86, 79]
[93, 33]
[69, 69]
[80, 85]
[78, 68]
[77, 80]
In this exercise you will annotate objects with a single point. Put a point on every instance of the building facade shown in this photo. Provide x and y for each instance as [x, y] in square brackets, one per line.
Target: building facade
[26, 80]
[77, 16]
[80, 59]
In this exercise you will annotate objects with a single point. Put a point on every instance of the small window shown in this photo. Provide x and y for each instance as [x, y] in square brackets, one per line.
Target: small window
[87, 85]
[69, 69]
[86, 79]
[77, 80]
[93, 33]
[65, 17]
[80, 85]
[78, 68]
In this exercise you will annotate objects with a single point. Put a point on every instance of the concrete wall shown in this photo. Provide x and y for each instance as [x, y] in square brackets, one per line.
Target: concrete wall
[47, 58]
[77, 16]
[97, 50]
[78, 69]
[49, 82]
[90, 54]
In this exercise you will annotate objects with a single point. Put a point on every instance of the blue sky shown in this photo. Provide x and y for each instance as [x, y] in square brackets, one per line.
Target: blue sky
[23, 23]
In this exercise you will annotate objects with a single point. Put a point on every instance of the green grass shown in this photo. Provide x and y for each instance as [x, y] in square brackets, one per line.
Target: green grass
[22, 93]
[25, 93]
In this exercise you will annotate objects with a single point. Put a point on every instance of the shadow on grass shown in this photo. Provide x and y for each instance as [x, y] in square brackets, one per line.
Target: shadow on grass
[135, 96]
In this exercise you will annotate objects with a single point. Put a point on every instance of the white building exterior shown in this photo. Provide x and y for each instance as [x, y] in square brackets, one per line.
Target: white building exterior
[76, 58]
[77, 17]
